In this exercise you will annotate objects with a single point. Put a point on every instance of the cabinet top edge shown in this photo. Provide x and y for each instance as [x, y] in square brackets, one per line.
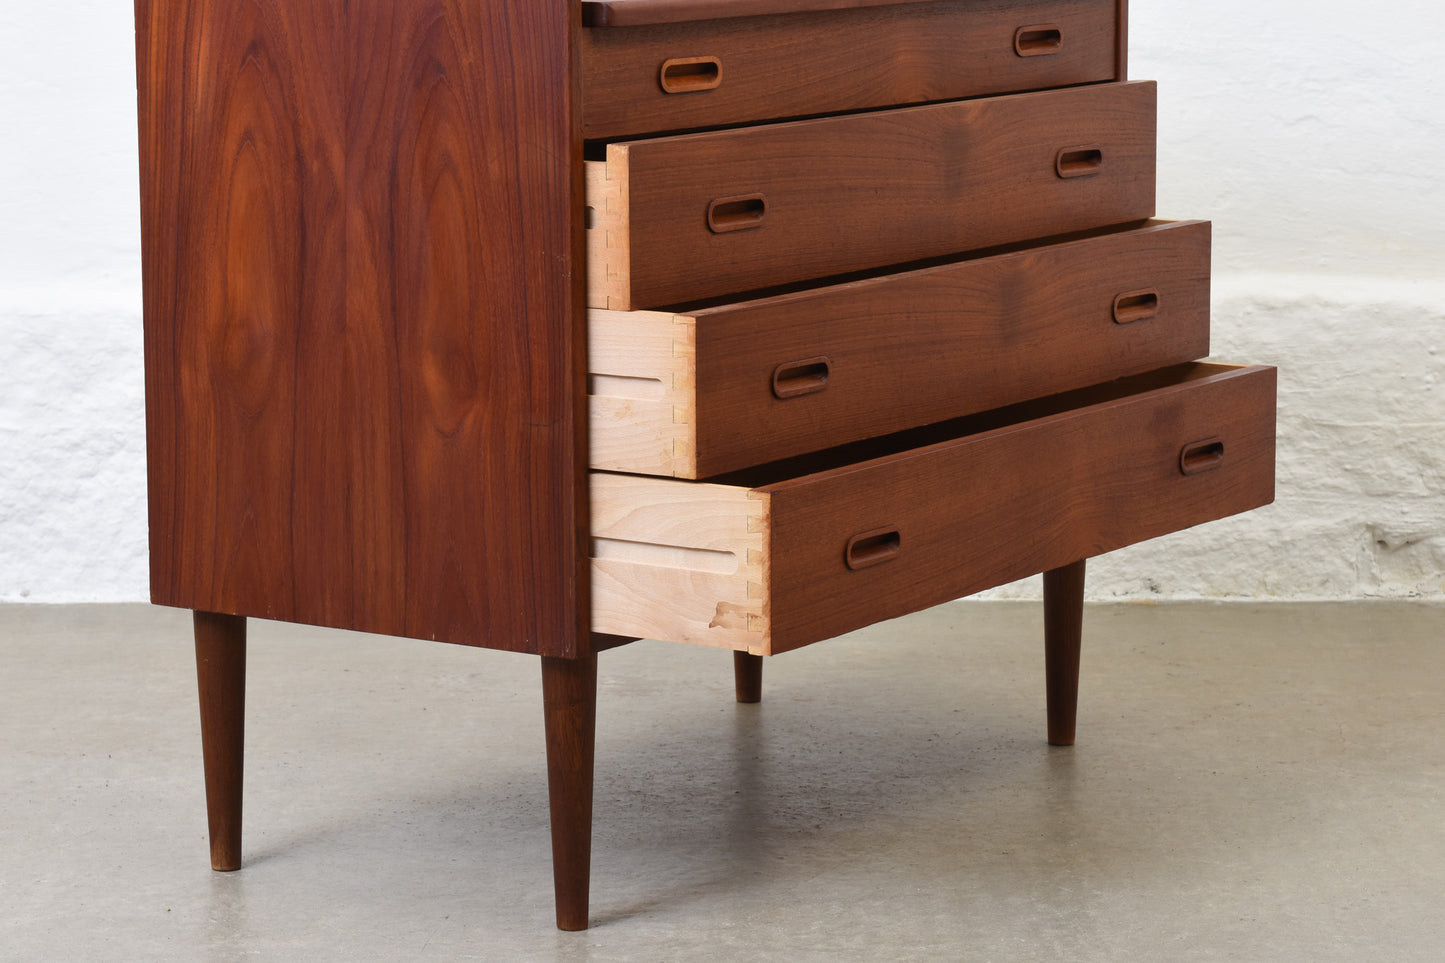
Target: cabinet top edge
[641, 13]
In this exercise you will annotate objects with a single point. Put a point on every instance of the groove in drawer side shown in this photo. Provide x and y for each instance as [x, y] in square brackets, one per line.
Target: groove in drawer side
[681, 561]
[642, 412]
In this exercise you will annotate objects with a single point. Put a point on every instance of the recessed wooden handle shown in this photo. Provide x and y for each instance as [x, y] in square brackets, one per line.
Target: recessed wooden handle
[1201, 456]
[1079, 161]
[872, 548]
[798, 378]
[1136, 306]
[688, 75]
[1038, 40]
[739, 213]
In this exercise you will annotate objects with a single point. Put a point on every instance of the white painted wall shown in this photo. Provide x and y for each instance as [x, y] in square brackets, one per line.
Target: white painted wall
[72, 445]
[1311, 131]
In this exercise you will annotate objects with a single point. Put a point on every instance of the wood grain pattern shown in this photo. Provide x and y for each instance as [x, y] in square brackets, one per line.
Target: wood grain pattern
[609, 261]
[829, 61]
[221, 680]
[748, 677]
[642, 406]
[864, 191]
[1085, 479]
[632, 13]
[919, 348]
[1063, 640]
[679, 561]
[1121, 41]
[903, 350]
[569, 705]
[362, 405]
[1080, 483]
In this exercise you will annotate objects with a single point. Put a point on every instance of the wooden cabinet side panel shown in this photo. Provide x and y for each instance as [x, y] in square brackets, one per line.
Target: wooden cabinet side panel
[240, 242]
[1015, 502]
[360, 314]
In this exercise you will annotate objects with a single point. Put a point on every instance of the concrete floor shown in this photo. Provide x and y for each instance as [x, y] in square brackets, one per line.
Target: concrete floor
[1252, 783]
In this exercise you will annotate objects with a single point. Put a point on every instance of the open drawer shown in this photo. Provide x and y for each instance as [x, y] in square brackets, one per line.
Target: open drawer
[718, 389]
[796, 552]
[660, 65]
[678, 219]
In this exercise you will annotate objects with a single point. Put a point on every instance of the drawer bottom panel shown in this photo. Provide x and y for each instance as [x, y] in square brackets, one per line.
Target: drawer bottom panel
[770, 565]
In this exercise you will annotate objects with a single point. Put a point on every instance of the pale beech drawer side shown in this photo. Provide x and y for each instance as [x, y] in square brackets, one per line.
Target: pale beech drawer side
[681, 561]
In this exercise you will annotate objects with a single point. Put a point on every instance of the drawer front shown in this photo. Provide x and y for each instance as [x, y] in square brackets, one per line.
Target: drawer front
[678, 219]
[778, 566]
[675, 76]
[712, 391]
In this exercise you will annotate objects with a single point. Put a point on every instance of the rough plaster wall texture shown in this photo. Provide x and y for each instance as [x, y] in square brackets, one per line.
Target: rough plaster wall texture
[1359, 510]
[1310, 132]
[72, 447]
[1306, 132]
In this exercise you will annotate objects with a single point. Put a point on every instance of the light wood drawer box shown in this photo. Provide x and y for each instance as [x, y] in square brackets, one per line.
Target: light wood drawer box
[767, 565]
[678, 219]
[642, 74]
[718, 389]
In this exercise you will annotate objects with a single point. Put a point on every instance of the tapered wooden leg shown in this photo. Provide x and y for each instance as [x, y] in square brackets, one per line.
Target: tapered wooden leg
[569, 701]
[1063, 632]
[748, 676]
[221, 677]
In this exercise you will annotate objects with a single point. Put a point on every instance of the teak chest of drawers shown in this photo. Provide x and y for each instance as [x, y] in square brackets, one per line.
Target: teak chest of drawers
[546, 326]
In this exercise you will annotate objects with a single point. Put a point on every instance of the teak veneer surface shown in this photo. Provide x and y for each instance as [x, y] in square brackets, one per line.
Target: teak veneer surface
[862, 191]
[1084, 483]
[635, 13]
[363, 335]
[691, 394]
[632, 13]
[852, 59]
